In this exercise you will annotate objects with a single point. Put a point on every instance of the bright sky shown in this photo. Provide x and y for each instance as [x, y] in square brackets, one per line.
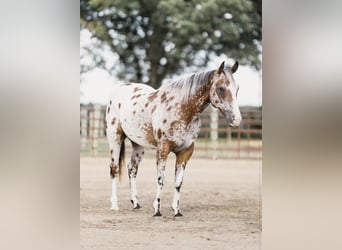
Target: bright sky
[97, 85]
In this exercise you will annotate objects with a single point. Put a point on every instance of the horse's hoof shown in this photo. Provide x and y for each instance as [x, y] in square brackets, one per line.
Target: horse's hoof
[137, 206]
[114, 208]
[178, 214]
[157, 214]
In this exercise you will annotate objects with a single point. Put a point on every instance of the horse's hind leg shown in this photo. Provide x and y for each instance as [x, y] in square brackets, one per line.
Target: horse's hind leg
[137, 156]
[181, 161]
[115, 138]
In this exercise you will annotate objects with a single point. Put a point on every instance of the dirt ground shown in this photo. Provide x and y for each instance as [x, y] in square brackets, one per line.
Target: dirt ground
[220, 201]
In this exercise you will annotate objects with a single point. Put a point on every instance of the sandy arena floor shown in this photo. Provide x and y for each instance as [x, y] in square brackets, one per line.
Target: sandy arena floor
[220, 202]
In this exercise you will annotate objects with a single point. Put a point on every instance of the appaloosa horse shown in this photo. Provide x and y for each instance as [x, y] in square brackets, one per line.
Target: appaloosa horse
[166, 119]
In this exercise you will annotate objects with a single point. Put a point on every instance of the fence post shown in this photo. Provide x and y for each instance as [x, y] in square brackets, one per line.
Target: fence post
[95, 128]
[214, 132]
[83, 125]
[229, 135]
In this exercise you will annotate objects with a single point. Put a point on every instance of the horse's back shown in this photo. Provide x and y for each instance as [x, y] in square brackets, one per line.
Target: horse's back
[124, 92]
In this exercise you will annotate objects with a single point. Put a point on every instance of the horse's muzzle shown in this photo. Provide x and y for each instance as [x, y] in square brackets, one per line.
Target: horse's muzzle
[233, 121]
[232, 125]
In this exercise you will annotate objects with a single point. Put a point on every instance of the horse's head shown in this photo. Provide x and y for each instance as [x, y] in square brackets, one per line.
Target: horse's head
[223, 94]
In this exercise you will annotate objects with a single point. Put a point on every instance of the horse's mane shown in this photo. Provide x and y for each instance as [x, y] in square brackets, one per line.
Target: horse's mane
[186, 86]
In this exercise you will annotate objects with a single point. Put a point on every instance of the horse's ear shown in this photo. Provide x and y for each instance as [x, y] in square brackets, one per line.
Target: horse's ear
[235, 67]
[220, 69]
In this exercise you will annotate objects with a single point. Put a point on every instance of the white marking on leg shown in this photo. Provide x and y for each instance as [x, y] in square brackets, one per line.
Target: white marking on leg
[134, 193]
[114, 169]
[137, 156]
[160, 183]
[175, 202]
[114, 198]
[179, 176]
[178, 183]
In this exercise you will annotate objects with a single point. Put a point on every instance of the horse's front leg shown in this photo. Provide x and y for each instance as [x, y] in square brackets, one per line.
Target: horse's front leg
[182, 158]
[162, 154]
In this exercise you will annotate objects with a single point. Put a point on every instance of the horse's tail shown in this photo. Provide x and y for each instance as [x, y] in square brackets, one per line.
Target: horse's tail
[121, 159]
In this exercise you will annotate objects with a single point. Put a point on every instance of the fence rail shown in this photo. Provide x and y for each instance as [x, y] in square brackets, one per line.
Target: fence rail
[215, 140]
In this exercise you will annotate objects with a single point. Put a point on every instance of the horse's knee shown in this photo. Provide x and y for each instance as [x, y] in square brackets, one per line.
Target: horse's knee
[132, 170]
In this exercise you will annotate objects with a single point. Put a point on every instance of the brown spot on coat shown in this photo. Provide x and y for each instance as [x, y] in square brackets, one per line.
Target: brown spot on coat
[173, 126]
[111, 151]
[169, 108]
[163, 151]
[119, 105]
[166, 147]
[149, 134]
[229, 96]
[135, 96]
[163, 98]
[152, 96]
[159, 133]
[184, 155]
[110, 102]
[164, 121]
[146, 105]
[113, 121]
[136, 89]
[108, 109]
[134, 103]
[154, 108]
[134, 112]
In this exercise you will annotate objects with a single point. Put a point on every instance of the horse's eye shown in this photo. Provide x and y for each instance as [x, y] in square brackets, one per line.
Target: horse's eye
[221, 89]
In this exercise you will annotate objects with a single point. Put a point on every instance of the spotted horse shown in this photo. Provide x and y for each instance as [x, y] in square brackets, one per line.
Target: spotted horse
[166, 119]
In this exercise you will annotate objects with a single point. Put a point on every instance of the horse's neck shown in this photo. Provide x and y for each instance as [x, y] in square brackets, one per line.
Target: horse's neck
[198, 102]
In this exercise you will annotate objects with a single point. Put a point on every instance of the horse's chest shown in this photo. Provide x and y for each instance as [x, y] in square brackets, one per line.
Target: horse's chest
[183, 135]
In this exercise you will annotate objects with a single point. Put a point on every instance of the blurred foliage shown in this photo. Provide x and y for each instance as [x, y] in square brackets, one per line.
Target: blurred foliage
[156, 38]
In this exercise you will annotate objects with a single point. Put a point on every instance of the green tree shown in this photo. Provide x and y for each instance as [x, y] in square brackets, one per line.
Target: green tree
[156, 38]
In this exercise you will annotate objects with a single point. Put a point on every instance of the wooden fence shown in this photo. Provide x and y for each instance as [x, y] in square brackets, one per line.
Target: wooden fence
[216, 139]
